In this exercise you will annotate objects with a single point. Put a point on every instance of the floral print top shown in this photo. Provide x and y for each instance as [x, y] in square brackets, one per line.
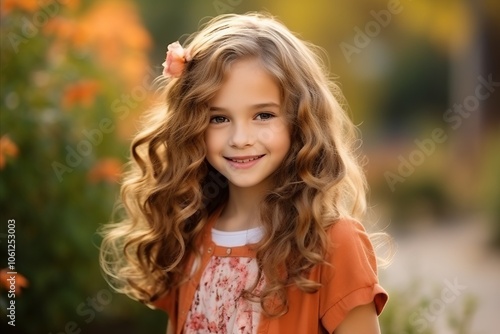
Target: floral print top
[348, 279]
[218, 306]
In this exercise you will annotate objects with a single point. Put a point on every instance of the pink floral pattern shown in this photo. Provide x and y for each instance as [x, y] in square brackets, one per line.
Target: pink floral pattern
[218, 306]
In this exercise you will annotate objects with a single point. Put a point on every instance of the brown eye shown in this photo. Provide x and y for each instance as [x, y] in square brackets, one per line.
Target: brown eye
[218, 119]
[264, 116]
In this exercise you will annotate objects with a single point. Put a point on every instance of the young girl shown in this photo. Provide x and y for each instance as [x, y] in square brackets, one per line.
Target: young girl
[244, 194]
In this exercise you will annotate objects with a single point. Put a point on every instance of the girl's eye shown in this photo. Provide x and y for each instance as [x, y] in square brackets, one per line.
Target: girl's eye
[264, 116]
[218, 119]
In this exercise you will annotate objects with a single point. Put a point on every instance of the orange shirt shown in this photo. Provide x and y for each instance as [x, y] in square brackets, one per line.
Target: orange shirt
[350, 281]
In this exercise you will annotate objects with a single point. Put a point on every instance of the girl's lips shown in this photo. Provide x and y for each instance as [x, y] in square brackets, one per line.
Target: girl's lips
[244, 162]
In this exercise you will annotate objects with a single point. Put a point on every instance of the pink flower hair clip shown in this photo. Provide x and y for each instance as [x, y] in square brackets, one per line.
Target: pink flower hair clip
[176, 60]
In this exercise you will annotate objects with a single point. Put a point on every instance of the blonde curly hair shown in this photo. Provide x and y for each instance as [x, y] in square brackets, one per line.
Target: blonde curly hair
[166, 196]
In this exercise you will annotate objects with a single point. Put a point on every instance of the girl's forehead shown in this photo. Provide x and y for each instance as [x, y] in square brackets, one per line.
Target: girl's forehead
[247, 83]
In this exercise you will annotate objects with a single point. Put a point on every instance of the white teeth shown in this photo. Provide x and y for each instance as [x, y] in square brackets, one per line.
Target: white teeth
[246, 160]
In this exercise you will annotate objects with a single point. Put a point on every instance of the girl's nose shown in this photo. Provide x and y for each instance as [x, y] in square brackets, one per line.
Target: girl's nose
[241, 135]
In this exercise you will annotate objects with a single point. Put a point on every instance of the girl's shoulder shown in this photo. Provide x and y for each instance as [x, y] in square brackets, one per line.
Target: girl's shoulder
[350, 249]
[347, 232]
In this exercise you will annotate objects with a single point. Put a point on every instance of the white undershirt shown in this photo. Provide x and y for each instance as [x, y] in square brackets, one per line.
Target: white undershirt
[237, 238]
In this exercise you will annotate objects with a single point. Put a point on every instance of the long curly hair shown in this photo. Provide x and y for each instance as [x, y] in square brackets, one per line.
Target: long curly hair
[170, 189]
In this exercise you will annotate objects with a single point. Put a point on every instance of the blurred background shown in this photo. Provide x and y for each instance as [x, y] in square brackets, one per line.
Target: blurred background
[421, 79]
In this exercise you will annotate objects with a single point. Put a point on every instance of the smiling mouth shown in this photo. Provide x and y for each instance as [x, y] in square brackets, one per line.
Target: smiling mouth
[244, 159]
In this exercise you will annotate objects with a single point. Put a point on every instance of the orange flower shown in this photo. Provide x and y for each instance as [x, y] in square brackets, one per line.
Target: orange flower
[72, 5]
[6, 6]
[7, 148]
[82, 93]
[20, 281]
[110, 31]
[115, 35]
[107, 170]
[27, 5]
[61, 27]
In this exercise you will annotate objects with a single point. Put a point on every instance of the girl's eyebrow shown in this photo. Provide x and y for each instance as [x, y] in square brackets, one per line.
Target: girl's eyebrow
[255, 106]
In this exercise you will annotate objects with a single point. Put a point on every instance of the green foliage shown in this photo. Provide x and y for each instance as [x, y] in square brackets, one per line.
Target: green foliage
[409, 312]
[57, 213]
[460, 322]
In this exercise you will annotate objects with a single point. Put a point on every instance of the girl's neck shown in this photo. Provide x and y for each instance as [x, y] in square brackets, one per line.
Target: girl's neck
[242, 210]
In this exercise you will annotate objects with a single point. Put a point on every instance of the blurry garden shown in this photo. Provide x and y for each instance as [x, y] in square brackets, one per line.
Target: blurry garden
[421, 79]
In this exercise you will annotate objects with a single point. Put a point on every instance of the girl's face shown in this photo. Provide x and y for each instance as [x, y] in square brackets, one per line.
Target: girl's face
[248, 136]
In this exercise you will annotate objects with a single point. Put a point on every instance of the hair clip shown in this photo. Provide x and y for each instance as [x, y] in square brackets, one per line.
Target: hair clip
[176, 60]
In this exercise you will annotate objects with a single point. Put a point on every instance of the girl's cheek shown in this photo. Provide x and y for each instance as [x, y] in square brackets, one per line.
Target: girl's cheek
[276, 130]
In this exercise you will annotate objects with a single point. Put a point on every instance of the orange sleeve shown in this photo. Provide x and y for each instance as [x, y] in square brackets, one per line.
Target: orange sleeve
[351, 278]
